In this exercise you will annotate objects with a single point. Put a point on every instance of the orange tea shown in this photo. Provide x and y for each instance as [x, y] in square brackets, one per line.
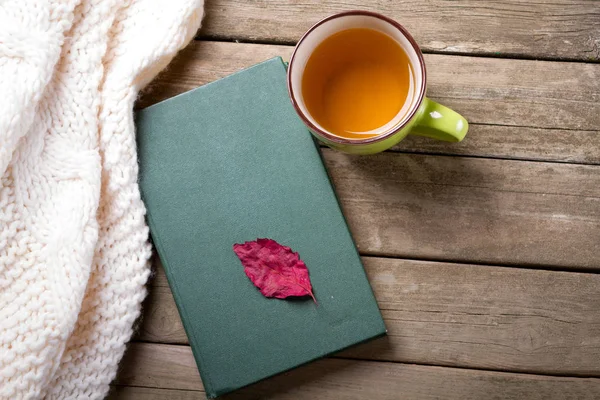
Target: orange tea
[357, 81]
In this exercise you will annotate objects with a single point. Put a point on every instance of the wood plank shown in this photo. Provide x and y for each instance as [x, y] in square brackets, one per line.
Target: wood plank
[458, 315]
[517, 108]
[471, 210]
[160, 322]
[159, 366]
[142, 393]
[558, 29]
[512, 142]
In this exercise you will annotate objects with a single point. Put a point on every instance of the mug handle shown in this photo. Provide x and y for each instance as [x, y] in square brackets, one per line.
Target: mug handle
[439, 122]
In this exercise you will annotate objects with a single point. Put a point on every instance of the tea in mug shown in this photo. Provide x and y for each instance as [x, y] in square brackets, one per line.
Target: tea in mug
[356, 81]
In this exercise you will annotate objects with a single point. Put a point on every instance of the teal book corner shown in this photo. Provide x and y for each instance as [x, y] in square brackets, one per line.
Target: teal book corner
[230, 162]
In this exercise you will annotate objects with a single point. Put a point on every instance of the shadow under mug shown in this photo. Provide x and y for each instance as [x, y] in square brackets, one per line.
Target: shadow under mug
[424, 117]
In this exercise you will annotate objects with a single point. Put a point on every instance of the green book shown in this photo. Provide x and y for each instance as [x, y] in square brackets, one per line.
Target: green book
[231, 162]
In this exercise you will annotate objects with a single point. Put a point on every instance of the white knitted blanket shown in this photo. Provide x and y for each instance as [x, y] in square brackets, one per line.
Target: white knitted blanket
[73, 241]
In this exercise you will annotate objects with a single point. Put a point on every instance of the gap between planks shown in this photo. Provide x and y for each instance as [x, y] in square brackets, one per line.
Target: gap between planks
[392, 361]
[536, 267]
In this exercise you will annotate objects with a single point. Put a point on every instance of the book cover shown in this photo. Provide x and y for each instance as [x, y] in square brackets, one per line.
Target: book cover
[231, 162]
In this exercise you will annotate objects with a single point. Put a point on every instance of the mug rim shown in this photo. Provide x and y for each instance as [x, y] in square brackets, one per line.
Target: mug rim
[391, 131]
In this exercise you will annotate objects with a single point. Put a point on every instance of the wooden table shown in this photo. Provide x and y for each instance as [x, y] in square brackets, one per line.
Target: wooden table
[484, 255]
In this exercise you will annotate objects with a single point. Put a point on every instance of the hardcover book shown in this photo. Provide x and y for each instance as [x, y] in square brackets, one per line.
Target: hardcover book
[231, 162]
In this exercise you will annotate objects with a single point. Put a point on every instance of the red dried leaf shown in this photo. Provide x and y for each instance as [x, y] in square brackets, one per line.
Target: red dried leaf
[275, 269]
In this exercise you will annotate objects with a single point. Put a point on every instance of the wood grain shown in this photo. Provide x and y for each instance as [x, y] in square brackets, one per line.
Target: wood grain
[458, 315]
[471, 210]
[142, 393]
[558, 29]
[160, 321]
[159, 365]
[333, 379]
[511, 142]
[517, 108]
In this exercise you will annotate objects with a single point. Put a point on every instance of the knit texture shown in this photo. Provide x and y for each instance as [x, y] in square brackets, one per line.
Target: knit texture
[74, 251]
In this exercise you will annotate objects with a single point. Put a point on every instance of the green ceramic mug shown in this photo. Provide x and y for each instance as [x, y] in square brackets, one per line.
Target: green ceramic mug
[424, 116]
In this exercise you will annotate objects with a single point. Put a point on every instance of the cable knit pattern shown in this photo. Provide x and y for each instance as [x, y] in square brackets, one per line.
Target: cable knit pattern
[73, 241]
